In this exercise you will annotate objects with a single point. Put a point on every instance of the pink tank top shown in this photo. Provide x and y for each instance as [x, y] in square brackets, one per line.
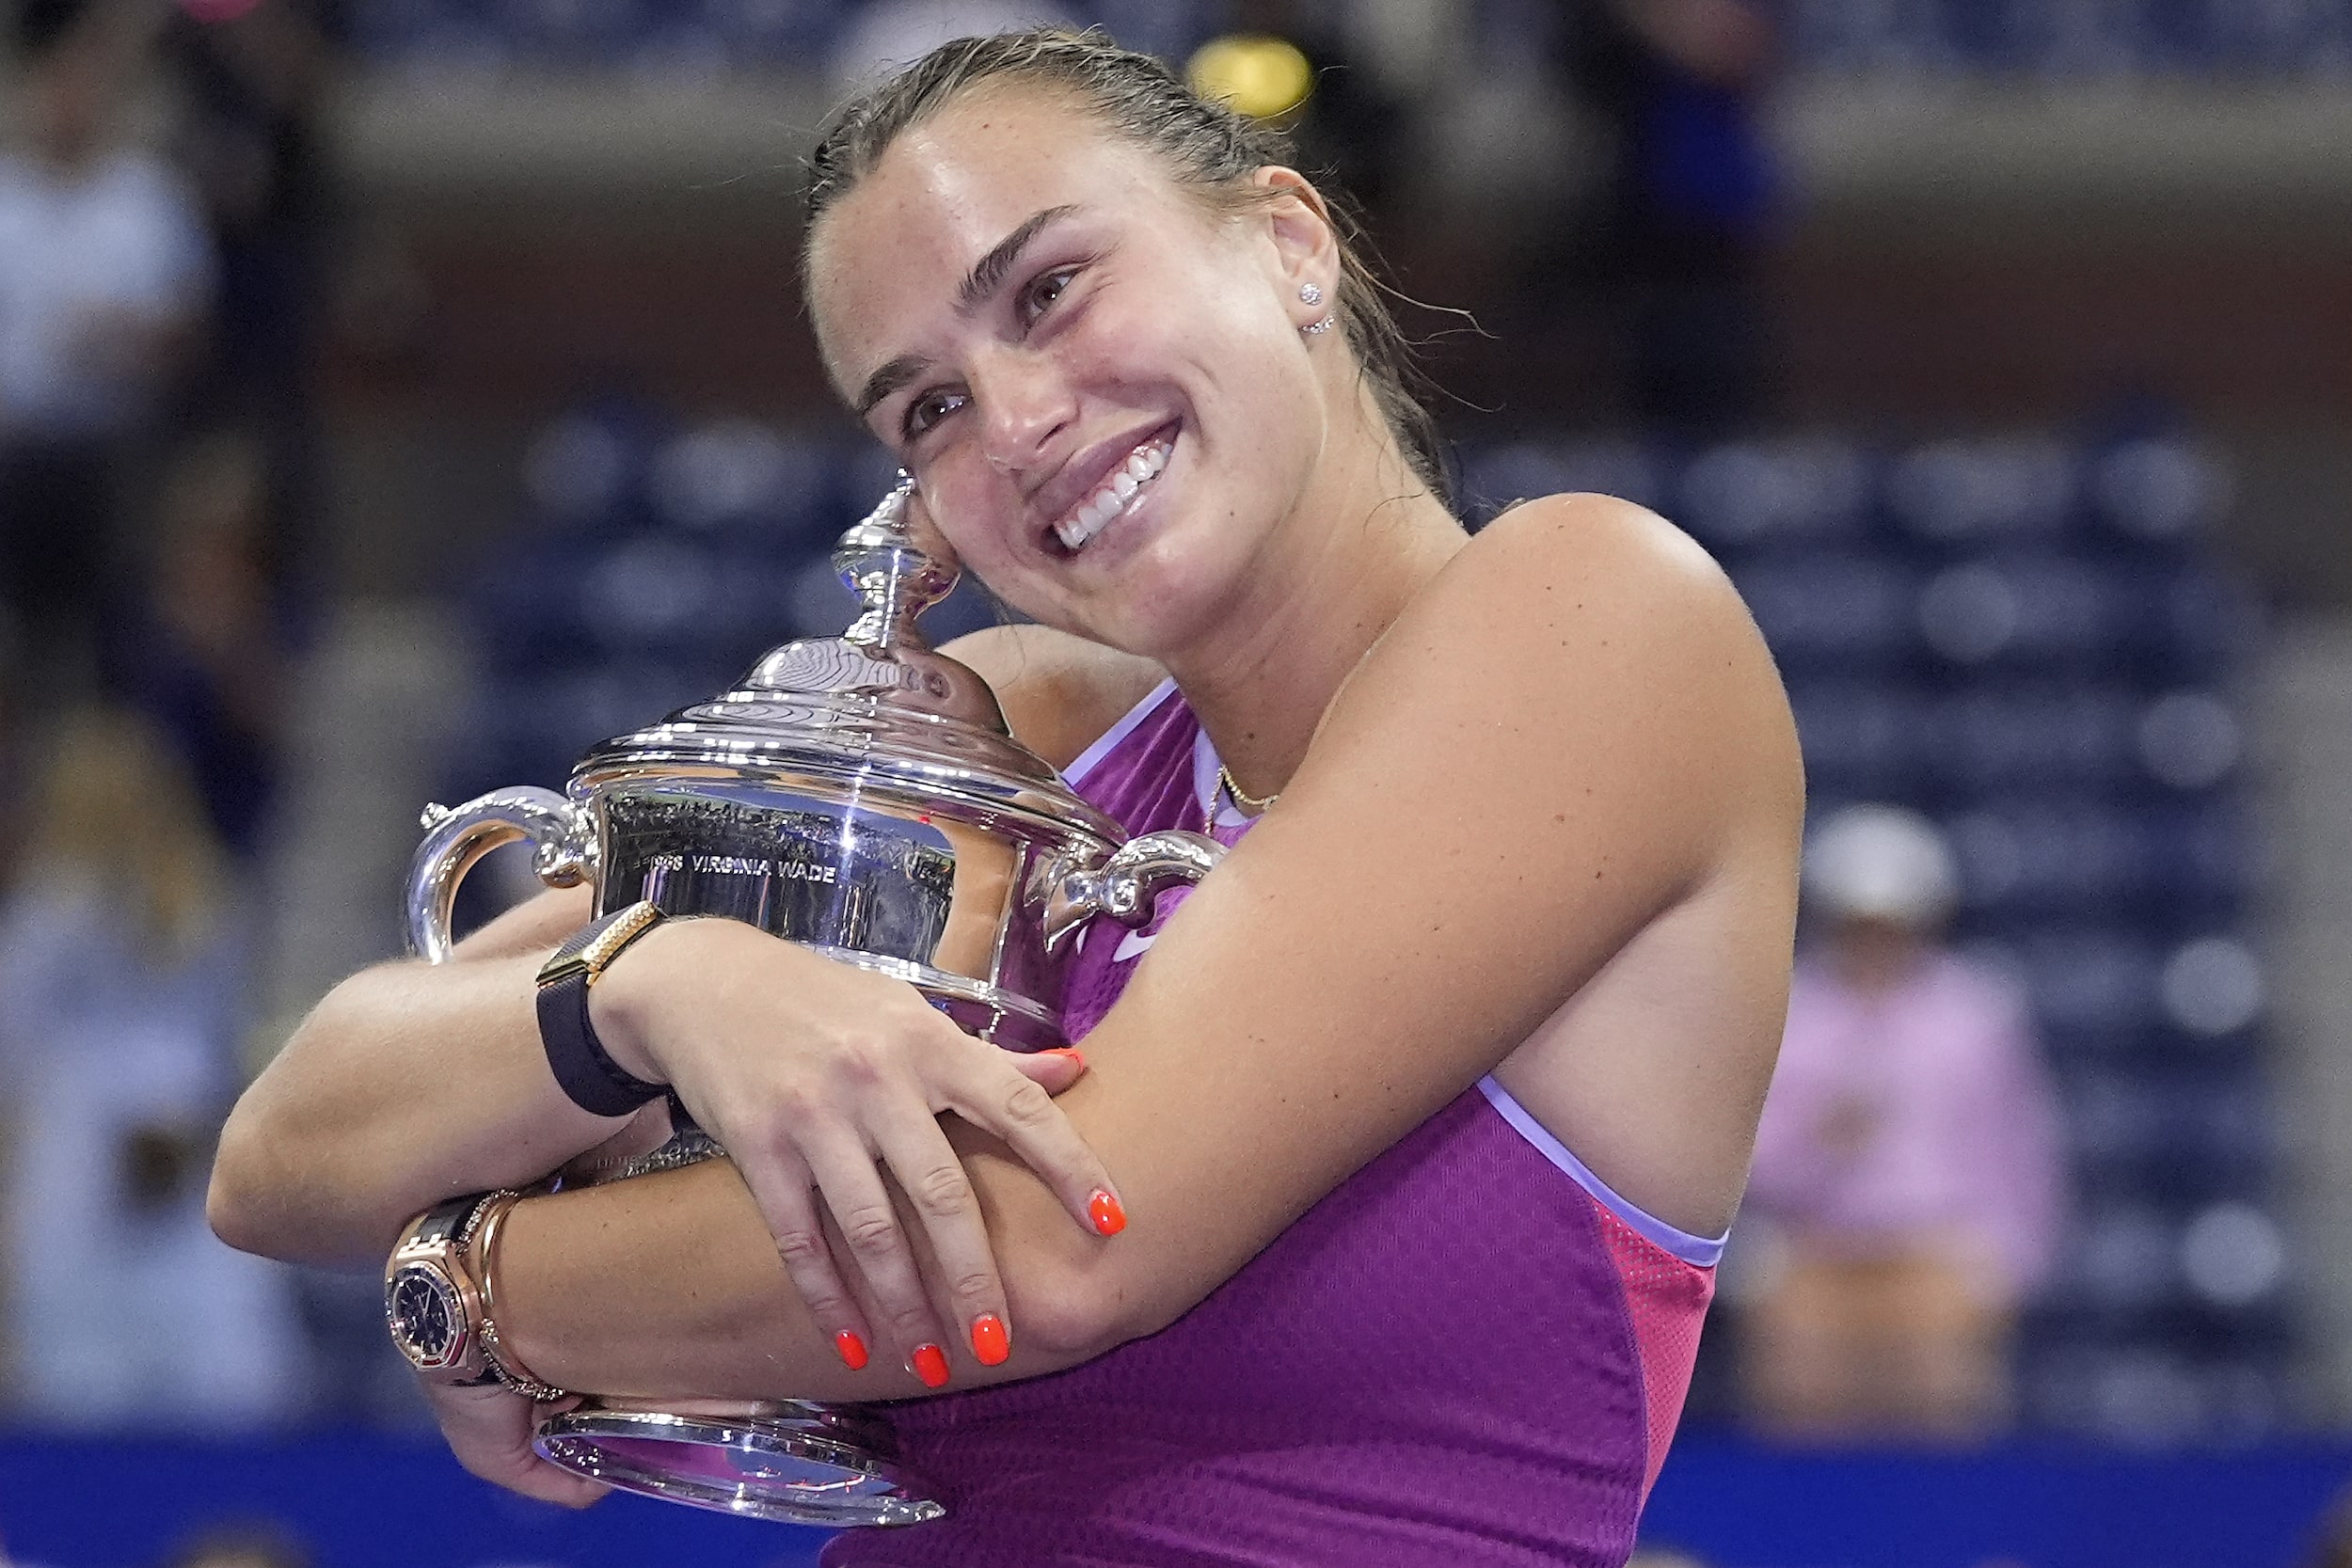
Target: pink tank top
[1471, 1353]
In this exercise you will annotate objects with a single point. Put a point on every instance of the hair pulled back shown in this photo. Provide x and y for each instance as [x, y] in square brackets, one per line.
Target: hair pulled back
[1209, 147]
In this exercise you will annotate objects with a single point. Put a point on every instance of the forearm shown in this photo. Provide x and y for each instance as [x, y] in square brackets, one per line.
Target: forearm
[668, 1286]
[409, 1083]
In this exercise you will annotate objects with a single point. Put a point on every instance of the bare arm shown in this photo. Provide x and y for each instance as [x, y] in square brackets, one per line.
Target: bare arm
[410, 1083]
[1580, 732]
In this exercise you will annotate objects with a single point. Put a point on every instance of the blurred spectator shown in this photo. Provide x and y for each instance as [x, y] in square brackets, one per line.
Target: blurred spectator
[1677, 86]
[253, 77]
[1907, 1183]
[200, 650]
[122, 1001]
[103, 278]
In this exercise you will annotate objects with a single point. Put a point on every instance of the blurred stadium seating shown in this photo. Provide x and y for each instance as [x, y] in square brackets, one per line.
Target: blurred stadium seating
[2060, 39]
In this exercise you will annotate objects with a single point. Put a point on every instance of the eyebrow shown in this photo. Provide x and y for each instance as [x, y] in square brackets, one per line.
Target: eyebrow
[987, 276]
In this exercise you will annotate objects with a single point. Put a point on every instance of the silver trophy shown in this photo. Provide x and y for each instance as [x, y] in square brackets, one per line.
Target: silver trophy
[860, 796]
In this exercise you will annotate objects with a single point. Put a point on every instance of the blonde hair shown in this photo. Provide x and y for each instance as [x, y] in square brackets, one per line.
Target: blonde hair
[117, 809]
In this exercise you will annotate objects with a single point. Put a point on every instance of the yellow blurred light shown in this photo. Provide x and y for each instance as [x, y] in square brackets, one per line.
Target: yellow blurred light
[1262, 77]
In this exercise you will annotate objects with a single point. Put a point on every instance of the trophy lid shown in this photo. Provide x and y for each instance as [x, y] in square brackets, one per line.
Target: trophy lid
[876, 710]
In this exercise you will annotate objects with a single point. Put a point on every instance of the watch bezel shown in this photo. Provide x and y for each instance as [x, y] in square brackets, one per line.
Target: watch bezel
[453, 1299]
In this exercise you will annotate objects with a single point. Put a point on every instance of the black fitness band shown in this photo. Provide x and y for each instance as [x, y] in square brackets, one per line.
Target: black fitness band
[584, 1069]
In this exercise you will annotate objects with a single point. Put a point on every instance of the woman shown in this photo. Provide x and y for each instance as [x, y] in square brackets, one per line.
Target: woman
[1528, 889]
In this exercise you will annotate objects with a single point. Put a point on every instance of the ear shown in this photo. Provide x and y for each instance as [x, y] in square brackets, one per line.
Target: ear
[1305, 241]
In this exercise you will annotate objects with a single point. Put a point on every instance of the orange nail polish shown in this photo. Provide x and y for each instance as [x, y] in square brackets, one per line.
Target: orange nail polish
[851, 1350]
[1069, 1051]
[989, 1341]
[1104, 1210]
[930, 1363]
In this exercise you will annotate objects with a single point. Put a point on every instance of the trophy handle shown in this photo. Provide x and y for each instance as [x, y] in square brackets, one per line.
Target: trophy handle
[1127, 885]
[562, 833]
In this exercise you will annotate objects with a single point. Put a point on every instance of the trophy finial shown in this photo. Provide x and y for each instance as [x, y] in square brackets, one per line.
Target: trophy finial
[884, 564]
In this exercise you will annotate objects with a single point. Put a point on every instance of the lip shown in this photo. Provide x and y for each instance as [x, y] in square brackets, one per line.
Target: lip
[1088, 471]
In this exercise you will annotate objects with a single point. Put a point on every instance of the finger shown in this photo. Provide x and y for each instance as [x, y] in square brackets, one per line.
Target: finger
[783, 1190]
[873, 1232]
[489, 1431]
[998, 1090]
[1052, 1071]
[962, 1260]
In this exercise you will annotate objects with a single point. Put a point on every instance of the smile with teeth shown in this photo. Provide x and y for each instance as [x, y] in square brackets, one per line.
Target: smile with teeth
[1142, 467]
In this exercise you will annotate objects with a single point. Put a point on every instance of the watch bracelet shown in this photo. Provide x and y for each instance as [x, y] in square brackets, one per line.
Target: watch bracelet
[482, 1225]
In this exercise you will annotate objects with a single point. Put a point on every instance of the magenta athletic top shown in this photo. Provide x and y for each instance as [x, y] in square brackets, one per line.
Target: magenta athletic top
[1470, 1354]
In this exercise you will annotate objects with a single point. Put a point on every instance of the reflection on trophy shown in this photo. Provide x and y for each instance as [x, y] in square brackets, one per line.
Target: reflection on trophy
[861, 796]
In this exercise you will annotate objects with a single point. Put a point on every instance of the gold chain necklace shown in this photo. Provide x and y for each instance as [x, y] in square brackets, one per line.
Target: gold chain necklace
[1255, 805]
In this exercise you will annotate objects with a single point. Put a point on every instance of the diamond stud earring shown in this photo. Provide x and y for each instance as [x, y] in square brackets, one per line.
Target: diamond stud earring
[1311, 293]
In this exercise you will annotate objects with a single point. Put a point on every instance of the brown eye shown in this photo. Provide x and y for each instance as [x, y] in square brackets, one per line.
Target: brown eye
[1040, 295]
[929, 409]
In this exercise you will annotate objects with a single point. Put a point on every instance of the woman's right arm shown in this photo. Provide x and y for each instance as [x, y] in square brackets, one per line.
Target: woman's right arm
[409, 1084]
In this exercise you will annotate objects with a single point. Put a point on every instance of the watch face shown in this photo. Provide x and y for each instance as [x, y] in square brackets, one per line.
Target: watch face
[427, 1319]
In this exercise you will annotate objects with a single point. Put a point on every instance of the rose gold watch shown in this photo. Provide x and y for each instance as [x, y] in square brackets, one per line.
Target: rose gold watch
[437, 1297]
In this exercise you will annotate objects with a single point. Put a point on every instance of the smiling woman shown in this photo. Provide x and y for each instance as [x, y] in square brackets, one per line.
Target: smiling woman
[1381, 1225]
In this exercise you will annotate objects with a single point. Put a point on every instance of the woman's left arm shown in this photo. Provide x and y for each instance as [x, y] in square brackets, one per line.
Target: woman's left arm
[1569, 735]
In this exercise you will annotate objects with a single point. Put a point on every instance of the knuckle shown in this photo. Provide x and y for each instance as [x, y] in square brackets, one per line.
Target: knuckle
[1026, 1107]
[859, 1062]
[871, 1231]
[943, 1192]
[972, 1285]
[801, 1248]
[793, 1104]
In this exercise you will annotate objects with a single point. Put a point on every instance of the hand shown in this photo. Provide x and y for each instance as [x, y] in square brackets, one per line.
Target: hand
[817, 1076]
[489, 1431]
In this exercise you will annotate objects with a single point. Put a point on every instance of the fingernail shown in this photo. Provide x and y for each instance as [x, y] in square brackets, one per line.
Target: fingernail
[930, 1363]
[1104, 1210]
[851, 1350]
[989, 1341]
[1069, 1051]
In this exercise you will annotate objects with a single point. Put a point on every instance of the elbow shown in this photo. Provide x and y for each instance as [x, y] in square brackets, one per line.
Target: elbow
[230, 1203]
[1070, 1310]
[238, 1201]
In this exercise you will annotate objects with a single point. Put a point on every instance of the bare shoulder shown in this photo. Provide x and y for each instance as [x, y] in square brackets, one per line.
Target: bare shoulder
[1060, 692]
[1589, 605]
[1632, 561]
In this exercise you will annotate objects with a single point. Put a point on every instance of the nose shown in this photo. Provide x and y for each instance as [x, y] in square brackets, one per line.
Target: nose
[1024, 402]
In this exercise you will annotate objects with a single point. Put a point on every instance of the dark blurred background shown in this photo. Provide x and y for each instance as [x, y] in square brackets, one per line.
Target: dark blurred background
[397, 396]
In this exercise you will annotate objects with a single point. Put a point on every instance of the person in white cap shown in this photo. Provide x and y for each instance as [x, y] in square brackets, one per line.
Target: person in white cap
[1908, 1179]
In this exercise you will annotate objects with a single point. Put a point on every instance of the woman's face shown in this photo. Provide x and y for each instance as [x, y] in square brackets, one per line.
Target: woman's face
[1099, 385]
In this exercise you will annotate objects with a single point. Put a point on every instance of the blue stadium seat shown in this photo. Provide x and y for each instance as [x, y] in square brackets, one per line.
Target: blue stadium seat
[1754, 497]
[1495, 477]
[1863, 740]
[1845, 613]
[2029, 611]
[1968, 497]
[1995, 738]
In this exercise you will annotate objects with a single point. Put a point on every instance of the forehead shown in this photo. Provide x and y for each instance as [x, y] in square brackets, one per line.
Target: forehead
[891, 253]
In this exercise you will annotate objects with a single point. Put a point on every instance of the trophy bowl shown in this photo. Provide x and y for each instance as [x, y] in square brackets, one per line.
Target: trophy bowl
[860, 796]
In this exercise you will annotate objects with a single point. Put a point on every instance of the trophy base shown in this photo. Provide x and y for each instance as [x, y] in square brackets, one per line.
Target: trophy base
[789, 1462]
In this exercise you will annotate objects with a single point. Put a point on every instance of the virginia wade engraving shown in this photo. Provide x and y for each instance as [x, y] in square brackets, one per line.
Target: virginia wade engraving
[737, 865]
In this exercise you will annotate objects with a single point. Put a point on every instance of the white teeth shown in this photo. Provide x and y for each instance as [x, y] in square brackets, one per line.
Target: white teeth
[1089, 516]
